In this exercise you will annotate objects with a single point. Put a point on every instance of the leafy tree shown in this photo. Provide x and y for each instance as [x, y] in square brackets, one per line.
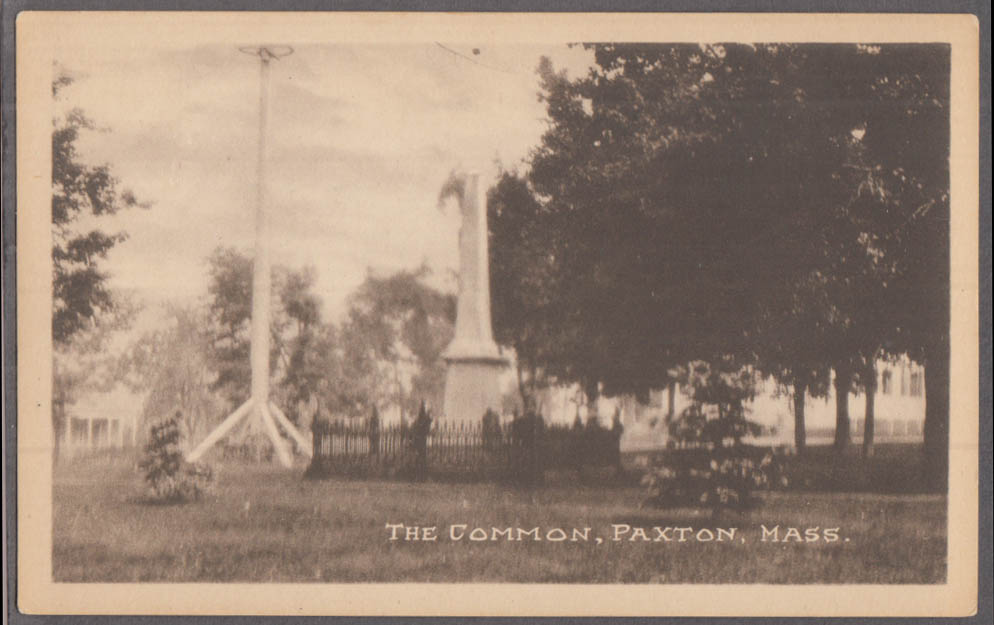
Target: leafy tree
[907, 142]
[672, 170]
[86, 361]
[83, 305]
[398, 327]
[360, 381]
[172, 367]
[883, 300]
[523, 286]
[306, 346]
[791, 340]
[80, 190]
[749, 200]
[295, 363]
[388, 350]
[230, 301]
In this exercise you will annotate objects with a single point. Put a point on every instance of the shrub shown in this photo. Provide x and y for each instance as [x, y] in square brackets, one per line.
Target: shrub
[171, 479]
[697, 478]
[716, 416]
[714, 469]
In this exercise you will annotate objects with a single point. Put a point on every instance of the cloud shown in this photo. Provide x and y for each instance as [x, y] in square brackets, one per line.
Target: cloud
[361, 137]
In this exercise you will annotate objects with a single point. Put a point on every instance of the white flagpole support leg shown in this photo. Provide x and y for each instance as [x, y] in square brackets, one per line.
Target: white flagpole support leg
[219, 431]
[302, 443]
[274, 436]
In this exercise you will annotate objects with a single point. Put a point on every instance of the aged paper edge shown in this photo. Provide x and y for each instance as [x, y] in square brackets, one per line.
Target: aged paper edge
[37, 593]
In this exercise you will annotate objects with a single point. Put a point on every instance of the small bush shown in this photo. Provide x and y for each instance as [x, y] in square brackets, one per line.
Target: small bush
[726, 481]
[171, 479]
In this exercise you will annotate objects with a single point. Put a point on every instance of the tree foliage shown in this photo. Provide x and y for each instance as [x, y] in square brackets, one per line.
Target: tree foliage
[780, 204]
[298, 338]
[87, 360]
[85, 312]
[397, 328]
[387, 350]
[80, 192]
[523, 286]
[169, 477]
[172, 368]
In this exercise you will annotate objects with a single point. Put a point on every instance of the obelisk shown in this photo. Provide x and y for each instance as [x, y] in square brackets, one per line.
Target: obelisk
[474, 362]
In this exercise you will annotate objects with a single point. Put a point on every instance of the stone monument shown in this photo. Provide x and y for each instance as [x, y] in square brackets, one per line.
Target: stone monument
[474, 362]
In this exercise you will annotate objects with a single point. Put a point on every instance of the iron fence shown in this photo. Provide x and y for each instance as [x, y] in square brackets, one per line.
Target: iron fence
[522, 448]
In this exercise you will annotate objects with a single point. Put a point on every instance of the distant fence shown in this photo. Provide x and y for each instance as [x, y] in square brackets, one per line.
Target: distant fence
[521, 449]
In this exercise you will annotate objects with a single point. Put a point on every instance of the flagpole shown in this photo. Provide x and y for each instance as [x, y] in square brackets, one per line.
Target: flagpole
[258, 404]
[261, 272]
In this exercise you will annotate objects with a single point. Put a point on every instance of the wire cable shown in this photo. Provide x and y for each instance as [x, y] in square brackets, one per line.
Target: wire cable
[472, 60]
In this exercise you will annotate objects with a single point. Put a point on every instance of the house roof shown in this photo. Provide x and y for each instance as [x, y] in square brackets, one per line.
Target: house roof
[118, 403]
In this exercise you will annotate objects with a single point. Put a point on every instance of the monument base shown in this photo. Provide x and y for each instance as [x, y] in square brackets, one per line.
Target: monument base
[471, 387]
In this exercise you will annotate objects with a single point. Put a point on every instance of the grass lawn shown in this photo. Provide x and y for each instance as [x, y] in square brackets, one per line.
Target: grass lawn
[265, 524]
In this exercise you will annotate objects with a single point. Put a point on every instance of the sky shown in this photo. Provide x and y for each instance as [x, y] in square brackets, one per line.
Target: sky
[361, 138]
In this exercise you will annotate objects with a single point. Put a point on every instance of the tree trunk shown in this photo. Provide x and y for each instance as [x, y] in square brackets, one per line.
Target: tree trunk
[59, 425]
[843, 380]
[936, 430]
[936, 343]
[670, 401]
[522, 390]
[592, 391]
[800, 393]
[400, 389]
[870, 388]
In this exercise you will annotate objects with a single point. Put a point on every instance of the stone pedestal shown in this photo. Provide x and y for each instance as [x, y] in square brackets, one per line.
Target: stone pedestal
[472, 387]
[472, 381]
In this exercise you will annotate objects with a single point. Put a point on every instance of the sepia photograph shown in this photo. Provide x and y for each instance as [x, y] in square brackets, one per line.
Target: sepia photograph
[457, 309]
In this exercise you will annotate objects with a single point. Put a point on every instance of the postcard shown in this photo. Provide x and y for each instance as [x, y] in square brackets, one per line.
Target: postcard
[497, 314]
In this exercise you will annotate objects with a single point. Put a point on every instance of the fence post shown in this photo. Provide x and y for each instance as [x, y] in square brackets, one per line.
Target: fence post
[421, 430]
[374, 433]
[617, 429]
[315, 441]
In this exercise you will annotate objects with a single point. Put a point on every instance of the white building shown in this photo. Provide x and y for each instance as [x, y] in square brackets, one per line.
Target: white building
[101, 420]
[899, 407]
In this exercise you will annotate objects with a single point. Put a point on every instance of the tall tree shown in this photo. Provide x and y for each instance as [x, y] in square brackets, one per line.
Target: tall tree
[86, 361]
[172, 368]
[230, 301]
[79, 190]
[524, 291]
[306, 344]
[703, 195]
[907, 138]
[83, 306]
[869, 376]
[688, 181]
[404, 325]
[298, 338]
[791, 340]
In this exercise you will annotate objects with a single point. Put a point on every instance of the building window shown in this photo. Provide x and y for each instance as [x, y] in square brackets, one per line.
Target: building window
[885, 382]
[656, 398]
[916, 384]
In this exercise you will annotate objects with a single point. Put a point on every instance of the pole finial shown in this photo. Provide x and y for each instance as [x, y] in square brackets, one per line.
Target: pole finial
[267, 52]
